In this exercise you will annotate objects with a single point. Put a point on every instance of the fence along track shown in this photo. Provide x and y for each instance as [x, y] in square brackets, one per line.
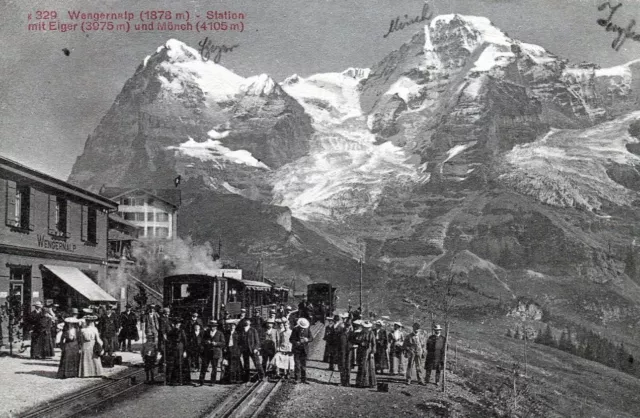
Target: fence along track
[88, 398]
[250, 401]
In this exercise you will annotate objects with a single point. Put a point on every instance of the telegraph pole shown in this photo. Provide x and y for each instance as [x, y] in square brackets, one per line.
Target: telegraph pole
[361, 285]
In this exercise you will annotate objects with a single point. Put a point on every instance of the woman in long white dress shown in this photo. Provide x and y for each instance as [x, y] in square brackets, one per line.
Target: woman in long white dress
[284, 357]
[90, 364]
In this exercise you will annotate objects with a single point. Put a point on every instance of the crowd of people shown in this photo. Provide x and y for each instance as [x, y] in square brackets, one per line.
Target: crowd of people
[277, 346]
[374, 349]
[84, 336]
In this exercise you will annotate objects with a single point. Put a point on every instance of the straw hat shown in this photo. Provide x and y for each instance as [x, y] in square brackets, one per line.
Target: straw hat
[232, 321]
[437, 327]
[367, 324]
[344, 315]
[90, 318]
[303, 323]
[398, 324]
[38, 304]
[357, 322]
[72, 320]
[213, 323]
[379, 322]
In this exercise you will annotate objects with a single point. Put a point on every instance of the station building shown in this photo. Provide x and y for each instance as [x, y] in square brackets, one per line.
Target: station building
[53, 240]
[154, 211]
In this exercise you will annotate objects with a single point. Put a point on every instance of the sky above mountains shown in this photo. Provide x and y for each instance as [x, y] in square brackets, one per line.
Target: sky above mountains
[51, 102]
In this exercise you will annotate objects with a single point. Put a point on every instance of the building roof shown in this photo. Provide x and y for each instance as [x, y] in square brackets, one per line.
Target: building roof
[115, 235]
[119, 219]
[172, 197]
[52, 182]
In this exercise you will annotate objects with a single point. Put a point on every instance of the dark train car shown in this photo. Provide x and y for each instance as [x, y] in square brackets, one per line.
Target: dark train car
[322, 293]
[213, 296]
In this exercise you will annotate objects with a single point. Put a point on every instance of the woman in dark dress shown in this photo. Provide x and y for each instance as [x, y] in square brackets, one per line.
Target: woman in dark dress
[70, 358]
[234, 370]
[366, 377]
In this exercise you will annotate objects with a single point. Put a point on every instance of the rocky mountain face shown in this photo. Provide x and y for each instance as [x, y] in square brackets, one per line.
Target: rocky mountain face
[463, 150]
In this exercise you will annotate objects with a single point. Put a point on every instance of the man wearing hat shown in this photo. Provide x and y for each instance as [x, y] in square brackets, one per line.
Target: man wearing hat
[343, 348]
[414, 347]
[300, 339]
[382, 343]
[40, 324]
[164, 326]
[249, 341]
[213, 344]
[396, 341]
[151, 322]
[176, 355]
[129, 331]
[330, 343]
[270, 341]
[108, 326]
[435, 353]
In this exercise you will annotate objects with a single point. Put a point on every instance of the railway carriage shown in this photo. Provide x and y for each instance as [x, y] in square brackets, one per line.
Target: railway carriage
[322, 293]
[213, 295]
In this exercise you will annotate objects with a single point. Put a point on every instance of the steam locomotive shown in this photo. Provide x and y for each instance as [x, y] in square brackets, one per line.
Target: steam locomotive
[219, 293]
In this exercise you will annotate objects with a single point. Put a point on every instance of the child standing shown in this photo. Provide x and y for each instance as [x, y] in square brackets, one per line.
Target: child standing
[149, 356]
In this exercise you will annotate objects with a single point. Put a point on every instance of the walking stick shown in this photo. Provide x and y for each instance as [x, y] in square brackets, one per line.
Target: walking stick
[164, 359]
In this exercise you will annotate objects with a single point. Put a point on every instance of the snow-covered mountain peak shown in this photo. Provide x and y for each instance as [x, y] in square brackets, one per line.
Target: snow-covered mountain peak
[180, 68]
[476, 29]
[261, 85]
[178, 51]
[291, 79]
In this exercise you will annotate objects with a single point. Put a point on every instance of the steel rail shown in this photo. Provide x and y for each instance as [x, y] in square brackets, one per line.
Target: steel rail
[250, 401]
[87, 398]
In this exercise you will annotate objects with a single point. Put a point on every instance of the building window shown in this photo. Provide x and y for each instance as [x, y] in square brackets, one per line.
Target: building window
[19, 206]
[125, 201]
[150, 216]
[61, 215]
[134, 216]
[58, 216]
[149, 232]
[139, 201]
[89, 222]
[162, 217]
[162, 232]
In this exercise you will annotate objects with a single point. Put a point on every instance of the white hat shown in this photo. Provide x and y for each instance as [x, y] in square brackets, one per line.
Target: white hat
[303, 323]
[378, 322]
[357, 322]
[398, 324]
[367, 324]
[385, 317]
[344, 315]
[71, 320]
[437, 327]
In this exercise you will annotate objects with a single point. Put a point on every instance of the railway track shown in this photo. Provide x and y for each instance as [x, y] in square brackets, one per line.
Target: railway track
[250, 401]
[83, 400]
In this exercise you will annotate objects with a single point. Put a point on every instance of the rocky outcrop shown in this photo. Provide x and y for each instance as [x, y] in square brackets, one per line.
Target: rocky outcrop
[175, 97]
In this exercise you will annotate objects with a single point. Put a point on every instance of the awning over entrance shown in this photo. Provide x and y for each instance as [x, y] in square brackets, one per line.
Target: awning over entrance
[81, 283]
[255, 285]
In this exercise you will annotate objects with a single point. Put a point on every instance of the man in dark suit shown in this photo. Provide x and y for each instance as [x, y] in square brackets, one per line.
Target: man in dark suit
[213, 343]
[435, 353]
[195, 337]
[109, 325]
[164, 326]
[300, 339]
[250, 344]
[129, 331]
